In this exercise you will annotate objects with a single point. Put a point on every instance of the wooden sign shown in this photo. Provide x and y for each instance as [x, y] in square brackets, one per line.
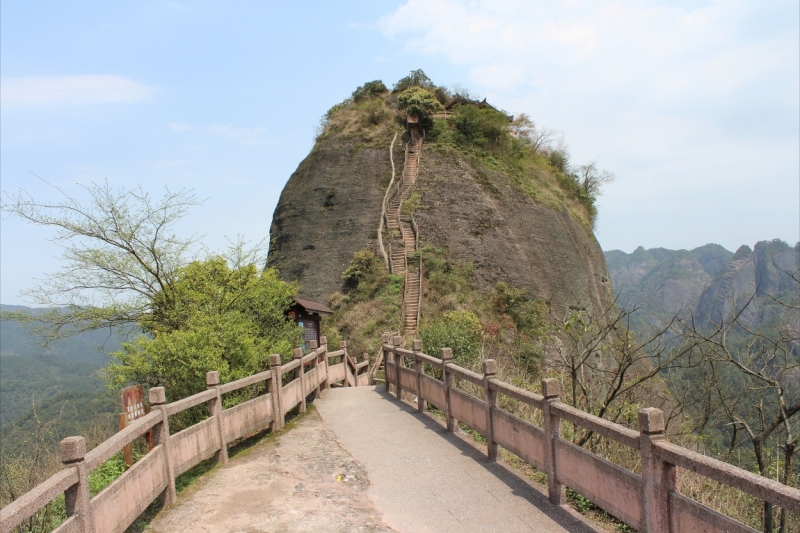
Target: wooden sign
[133, 408]
[133, 403]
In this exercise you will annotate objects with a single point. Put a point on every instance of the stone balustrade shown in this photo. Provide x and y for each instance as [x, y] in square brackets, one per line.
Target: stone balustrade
[649, 502]
[153, 476]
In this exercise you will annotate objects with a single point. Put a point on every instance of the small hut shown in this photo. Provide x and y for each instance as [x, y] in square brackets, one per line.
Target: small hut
[308, 314]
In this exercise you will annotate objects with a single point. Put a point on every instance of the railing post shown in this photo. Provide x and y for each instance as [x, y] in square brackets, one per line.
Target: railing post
[490, 397]
[277, 390]
[158, 400]
[447, 379]
[398, 362]
[659, 478]
[215, 410]
[313, 365]
[551, 388]
[385, 339]
[418, 371]
[77, 498]
[298, 374]
[343, 347]
[323, 343]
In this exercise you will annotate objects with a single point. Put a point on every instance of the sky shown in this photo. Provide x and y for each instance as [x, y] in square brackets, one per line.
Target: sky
[693, 105]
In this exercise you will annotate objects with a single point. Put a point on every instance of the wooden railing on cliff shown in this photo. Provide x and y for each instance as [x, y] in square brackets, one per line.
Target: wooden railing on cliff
[650, 502]
[153, 476]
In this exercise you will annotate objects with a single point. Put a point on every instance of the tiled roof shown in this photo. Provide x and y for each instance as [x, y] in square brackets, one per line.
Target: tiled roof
[311, 305]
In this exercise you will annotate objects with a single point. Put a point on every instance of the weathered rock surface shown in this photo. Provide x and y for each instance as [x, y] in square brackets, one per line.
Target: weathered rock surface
[330, 208]
[478, 216]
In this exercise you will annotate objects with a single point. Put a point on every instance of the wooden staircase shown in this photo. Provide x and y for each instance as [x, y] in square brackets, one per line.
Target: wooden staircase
[403, 236]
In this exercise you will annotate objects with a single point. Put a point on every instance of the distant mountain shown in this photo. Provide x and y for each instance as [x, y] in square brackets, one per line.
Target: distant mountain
[708, 282]
[58, 381]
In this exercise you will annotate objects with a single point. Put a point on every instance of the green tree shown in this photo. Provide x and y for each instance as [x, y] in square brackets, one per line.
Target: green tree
[225, 319]
[419, 102]
[415, 78]
[120, 252]
[459, 330]
[125, 266]
[369, 90]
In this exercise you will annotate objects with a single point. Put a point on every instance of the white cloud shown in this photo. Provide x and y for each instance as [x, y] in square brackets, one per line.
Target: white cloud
[673, 99]
[90, 89]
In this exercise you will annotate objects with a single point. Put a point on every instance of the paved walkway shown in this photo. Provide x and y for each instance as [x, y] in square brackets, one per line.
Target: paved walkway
[362, 461]
[424, 479]
[300, 482]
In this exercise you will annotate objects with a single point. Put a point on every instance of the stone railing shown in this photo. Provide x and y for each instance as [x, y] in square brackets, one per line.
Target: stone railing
[650, 502]
[153, 476]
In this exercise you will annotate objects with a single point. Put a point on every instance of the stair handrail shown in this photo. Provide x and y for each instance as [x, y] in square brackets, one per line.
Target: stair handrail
[383, 220]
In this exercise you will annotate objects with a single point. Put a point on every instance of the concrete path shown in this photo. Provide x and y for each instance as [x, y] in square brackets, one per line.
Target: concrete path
[424, 479]
[301, 481]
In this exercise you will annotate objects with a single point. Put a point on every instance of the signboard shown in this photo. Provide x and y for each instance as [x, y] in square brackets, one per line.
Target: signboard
[133, 408]
[133, 403]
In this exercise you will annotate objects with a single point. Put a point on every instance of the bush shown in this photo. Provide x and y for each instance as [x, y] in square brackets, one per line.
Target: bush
[225, 319]
[419, 102]
[459, 330]
[486, 128]
[375, 112]
[368, 91]
[415, 78]
[365, 276]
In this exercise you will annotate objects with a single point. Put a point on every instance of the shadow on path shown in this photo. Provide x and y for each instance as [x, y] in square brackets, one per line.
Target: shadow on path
[519, 486]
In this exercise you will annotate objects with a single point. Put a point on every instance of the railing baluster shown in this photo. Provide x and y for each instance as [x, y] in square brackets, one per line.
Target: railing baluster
[158, 400]
[447, 379]
[77, 498]
[418, 370]
[298, 374]
[277, 390]
[343, 347]
[490, 397]
[551, 388]
[215, 410]
[397, 341]
[659, 478]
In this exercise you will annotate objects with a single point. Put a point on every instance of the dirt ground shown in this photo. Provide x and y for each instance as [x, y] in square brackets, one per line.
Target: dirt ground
[301, 481]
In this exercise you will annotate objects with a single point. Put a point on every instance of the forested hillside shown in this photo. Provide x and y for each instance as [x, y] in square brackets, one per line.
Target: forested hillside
[705, 281]
[60, 381]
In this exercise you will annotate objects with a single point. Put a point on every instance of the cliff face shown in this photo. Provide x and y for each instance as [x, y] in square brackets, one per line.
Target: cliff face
[479, 216]
[329, 209]
[331, 206]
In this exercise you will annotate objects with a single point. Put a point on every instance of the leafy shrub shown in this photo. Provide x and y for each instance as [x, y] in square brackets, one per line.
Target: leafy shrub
[481, 127]
[559, 160]
[375, 112]
[459, 330]
[415, 78]
[368, 91]
[528, 314]
[225, 319]
[419, 102]
[366, 275]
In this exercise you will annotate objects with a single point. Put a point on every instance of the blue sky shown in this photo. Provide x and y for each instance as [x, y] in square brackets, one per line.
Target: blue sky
[693, 105]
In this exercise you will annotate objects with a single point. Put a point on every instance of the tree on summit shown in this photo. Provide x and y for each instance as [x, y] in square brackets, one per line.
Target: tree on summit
[419, 102]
